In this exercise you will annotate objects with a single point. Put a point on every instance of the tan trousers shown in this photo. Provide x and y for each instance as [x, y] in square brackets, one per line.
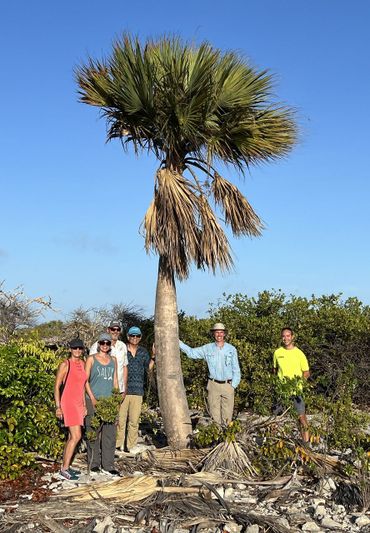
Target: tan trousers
[129, 412]
[220, 401]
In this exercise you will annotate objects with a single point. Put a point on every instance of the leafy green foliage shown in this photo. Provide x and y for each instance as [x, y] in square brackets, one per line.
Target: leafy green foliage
[27, 418]
[334, 334]
[214, 433]
[192, 107]
[106, 411]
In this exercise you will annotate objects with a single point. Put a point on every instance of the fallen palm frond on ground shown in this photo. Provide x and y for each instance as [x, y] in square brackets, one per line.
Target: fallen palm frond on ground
[170, 510]
[219, 479]
[324, 463]
[228, 457]
[200, 512]
[172, 460]
[124, 489]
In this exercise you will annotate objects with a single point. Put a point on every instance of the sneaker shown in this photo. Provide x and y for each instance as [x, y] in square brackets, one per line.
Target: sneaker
[95, 469]
[66, 474]
[74, 471]
[113, 473]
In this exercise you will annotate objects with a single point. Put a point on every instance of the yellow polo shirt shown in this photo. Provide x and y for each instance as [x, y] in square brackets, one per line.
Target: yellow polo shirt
[290, 363]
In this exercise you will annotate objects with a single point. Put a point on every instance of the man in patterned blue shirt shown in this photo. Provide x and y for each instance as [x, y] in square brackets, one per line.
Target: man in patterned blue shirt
[223, 373]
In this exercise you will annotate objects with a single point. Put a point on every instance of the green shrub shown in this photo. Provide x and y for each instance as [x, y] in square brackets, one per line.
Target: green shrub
[27, 416]
[334, 334]
[106, 412]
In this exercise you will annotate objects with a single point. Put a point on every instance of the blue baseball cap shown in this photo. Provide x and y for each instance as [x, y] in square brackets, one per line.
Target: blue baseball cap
[134, 330]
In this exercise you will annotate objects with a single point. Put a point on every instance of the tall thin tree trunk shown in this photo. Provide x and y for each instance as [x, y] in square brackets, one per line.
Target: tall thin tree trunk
[171, 390]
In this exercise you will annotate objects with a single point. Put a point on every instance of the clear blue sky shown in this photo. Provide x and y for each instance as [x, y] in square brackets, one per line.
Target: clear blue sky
[71, 205]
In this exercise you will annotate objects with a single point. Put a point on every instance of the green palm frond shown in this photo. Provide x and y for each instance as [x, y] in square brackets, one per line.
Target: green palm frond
[190, 106]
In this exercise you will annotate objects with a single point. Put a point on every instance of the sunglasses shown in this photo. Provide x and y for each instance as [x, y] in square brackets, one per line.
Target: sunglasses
[115, 329]
[107, 343]
[78, 348]
[137, 336]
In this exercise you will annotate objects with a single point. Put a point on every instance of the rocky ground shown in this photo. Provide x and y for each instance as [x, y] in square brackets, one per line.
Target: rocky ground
[164, 492]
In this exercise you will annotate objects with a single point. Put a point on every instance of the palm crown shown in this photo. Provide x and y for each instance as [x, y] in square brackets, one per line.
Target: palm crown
[194, 108]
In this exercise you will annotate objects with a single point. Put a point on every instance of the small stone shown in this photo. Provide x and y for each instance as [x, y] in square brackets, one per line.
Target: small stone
[241, 486]
[282, 521]
[221, 492]
[311, 526]
[294, 510]
[340, 509]
[104, 526]
[229, 493]
[328, 485]
[362, 521]
[181, 530]
[320, 512]
[230, 527]
[318, 501]
[26, 496]
[254, 528]
[250, 500]
[47, 477]
[329, 523]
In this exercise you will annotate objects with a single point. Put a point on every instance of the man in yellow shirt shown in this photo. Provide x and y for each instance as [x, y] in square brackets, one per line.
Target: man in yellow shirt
[291, 363]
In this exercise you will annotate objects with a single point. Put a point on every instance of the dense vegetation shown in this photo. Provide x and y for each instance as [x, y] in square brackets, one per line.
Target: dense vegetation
[27, 419]
[334, 334]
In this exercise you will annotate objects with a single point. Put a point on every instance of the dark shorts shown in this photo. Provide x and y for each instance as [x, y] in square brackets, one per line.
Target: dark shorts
[299, 405]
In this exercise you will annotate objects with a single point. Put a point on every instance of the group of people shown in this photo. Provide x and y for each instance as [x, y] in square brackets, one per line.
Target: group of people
[112, 364]
[289, 363]
[115, 364]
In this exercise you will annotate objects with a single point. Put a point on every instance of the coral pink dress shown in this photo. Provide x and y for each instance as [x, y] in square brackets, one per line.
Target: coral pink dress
[72, 402]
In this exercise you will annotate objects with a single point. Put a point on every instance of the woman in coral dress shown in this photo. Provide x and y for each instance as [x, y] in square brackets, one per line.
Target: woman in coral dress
[71, 405]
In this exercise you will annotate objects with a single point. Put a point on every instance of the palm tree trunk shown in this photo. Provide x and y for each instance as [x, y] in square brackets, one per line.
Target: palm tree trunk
[171, 390]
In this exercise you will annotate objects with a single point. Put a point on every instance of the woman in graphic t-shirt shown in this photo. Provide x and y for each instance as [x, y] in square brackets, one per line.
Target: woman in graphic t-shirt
[70, 405]
[101, 370]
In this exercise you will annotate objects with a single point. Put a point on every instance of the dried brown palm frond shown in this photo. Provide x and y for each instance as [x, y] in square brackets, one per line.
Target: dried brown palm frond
[125, 489]
[229, 457]
[170, 223]
[181, 226]
[267, 523]
[174, 460]
[214, 248]
[237, 210]
[324, 463]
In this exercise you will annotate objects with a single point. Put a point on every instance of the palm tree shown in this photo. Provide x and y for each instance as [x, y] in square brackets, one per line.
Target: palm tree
[193, 107]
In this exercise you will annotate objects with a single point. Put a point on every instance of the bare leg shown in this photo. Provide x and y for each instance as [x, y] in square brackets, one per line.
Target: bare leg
[304, 428]
[73, 439]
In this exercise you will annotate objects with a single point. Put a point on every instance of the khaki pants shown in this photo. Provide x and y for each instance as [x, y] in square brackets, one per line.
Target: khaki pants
[220, 401]
[129, 411]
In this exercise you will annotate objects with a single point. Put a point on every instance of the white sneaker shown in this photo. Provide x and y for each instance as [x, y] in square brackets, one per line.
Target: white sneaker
[113, 473]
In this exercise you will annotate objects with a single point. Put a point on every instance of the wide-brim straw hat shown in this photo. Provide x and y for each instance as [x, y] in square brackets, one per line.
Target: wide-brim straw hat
[218, 326]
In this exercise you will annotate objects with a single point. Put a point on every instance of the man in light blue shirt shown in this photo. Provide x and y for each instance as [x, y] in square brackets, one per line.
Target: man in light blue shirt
[223, 373]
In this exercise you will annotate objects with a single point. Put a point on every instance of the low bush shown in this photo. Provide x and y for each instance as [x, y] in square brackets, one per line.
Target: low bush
[27, 416]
